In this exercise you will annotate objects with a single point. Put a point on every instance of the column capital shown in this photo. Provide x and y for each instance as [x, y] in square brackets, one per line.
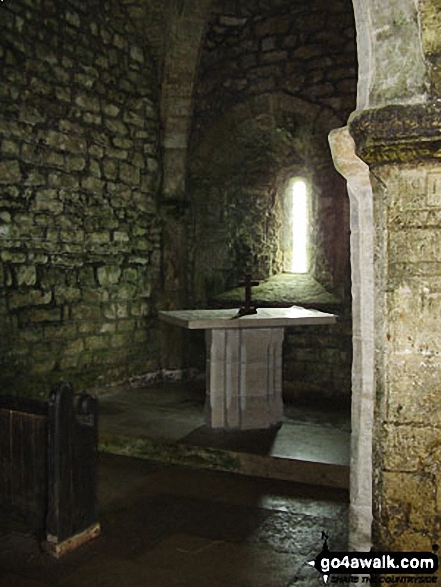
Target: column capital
[401, 133]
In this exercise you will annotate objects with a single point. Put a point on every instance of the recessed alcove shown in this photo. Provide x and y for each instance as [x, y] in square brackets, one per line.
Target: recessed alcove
[242, 167]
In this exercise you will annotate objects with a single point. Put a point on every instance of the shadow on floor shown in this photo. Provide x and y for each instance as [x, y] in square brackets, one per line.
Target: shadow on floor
[248, 441]
[171, 527]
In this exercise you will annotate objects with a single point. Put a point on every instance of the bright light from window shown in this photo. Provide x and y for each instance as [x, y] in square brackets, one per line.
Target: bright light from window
[299, 227]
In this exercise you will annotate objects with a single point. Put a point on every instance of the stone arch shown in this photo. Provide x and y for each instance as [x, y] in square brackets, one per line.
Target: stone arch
[388, 34]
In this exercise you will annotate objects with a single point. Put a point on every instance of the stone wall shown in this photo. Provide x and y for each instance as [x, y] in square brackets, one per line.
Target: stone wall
[79, 175]
[317, 360]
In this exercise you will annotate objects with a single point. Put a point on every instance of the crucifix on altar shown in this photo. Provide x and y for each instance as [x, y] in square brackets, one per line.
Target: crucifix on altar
[248, 308]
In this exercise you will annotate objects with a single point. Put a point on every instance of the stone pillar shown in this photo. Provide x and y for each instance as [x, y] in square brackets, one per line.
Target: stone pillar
[362, 270]
[401, 145]
[180, 64]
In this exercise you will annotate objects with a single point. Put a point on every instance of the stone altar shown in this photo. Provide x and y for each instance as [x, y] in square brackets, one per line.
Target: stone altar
[244, 361]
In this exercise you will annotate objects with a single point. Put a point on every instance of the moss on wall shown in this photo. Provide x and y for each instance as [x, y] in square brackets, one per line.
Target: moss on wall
[80, 241]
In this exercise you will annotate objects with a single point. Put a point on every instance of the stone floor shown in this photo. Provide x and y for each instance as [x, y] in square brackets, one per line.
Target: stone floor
[166, 526]
[166, 423]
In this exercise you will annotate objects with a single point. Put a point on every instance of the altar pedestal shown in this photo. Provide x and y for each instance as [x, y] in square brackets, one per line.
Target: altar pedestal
[244, 361]
[244, 377]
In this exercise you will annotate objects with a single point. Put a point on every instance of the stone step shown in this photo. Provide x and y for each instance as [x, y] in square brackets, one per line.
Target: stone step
[296, 469]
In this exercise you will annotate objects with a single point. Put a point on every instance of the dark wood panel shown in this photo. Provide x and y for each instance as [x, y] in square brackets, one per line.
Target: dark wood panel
[84, 464]
[23, 484]
[5, 455]
[48, 463]
[23, 404]
[73, 440]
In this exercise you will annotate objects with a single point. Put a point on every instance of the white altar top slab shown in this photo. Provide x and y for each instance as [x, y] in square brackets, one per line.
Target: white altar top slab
[244, 361]
[265, 318]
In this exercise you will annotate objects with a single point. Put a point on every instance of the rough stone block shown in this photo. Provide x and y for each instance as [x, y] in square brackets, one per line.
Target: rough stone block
[10, 147]
[46, 201]
[26, 275]
[89, 313]
[63, 180]
[88, 102]
[107, 328]
[34, 178]
[108, 275]
[405, 446]
[30, 298]
[110, 169]
[10, 171]
[75, 163]
[45, 315]
[63, 94]
[69, 363]
[121, 340]
[92, 343]
[116, 126]
[273, 56]
[43, 363]
[140, 309]
[269, 43]
[136, 54]
[120, 237]
[74, 347]
[413, 389]
[86, 328]
[92, 184]
[133, 118]
[64, 142]
[117, 153]
[129, 174]
[277, 25]
[124, 291]
[64, 294]
[411, 493]
[5, 217]
[128, 324]
[111, 110]
[122, 143]
[116, 311]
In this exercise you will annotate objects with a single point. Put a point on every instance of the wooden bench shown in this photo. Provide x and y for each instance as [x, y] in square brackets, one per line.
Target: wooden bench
[48, 468]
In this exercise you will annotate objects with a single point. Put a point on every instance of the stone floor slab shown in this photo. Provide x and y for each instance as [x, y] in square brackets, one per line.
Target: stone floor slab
[172, 527]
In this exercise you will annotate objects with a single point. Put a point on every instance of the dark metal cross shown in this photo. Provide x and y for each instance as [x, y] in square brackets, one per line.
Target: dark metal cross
[248, 308]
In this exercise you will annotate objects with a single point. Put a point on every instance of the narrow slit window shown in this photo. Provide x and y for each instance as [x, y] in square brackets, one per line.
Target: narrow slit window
[299, 263]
